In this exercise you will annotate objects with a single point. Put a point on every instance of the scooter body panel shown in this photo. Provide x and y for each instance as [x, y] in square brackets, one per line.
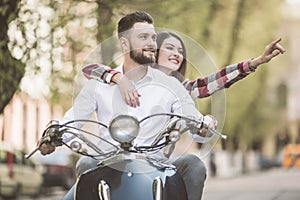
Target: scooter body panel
[131, 180]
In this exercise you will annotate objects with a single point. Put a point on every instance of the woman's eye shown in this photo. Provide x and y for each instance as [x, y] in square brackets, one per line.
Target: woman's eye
[169, 48]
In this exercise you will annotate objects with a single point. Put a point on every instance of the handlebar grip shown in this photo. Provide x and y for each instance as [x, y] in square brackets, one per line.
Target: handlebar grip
[53, 133]
[53, 126]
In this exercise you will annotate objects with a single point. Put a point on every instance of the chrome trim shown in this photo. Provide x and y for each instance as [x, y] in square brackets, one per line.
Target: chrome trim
[131, 156]
[121, 157]
[157, 188]
[75, 190]
[103, 190]
[124, 128]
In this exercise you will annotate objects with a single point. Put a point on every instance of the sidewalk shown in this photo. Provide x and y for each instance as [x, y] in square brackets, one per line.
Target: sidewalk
[273, 184]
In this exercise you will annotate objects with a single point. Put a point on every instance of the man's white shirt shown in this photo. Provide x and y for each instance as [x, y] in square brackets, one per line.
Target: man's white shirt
[159, 94]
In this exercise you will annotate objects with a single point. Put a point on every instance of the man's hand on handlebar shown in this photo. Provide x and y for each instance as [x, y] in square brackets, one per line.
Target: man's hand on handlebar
[45, 147]
[209, 122]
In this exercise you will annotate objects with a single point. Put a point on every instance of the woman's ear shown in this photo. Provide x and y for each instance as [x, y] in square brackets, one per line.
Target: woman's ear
[124, 42]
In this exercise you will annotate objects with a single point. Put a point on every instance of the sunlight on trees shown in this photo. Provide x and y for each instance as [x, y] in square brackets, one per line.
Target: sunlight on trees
[48, 37]
[53, 38]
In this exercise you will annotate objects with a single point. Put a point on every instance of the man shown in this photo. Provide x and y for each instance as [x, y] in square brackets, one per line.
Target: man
[159, 93]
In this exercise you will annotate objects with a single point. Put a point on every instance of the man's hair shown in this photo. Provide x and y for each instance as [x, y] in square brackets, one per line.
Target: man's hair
[129, 20]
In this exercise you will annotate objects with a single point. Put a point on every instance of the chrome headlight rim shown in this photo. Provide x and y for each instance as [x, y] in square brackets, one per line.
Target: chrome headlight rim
[124, 128]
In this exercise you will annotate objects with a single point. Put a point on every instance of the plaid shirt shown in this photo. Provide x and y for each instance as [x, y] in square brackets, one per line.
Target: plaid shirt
[206, 86]
[199, 88]
[98, 72]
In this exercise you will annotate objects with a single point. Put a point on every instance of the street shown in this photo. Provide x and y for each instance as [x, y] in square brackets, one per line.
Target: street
[273, 184]
[55, 193]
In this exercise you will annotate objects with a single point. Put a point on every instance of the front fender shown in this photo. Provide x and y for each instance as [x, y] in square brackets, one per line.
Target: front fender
[129, 180]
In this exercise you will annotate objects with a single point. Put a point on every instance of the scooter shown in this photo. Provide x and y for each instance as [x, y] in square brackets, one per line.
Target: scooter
[127, 171]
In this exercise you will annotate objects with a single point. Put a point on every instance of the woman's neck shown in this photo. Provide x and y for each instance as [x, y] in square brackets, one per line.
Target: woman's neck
[164, 69]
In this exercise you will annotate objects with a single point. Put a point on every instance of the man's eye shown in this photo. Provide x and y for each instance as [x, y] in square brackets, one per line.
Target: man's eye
[143, 37]
[154, 38]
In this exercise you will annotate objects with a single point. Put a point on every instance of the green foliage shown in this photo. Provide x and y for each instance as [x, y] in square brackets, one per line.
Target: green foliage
[231, 31]
[12, 70]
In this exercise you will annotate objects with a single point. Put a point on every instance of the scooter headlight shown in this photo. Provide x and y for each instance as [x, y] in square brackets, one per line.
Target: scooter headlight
[124, 128]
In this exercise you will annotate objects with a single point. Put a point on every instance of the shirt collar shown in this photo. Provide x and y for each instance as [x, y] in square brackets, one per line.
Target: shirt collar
[147, 77]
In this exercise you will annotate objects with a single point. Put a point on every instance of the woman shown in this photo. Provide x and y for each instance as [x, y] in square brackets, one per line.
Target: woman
[171, 59]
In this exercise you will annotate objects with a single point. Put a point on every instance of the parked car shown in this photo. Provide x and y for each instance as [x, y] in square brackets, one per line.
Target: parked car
[58, 169]
[18, 176]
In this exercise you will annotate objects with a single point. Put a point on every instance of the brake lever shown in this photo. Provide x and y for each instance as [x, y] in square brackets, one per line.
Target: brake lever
[202, 125]
[33, 152]
[220, 135]
[214, 131]
[46, 139]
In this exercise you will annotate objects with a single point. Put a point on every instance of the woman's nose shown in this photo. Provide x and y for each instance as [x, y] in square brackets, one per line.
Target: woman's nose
[176, 54]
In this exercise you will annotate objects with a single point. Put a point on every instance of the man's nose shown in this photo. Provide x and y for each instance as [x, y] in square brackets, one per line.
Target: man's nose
[151, 42]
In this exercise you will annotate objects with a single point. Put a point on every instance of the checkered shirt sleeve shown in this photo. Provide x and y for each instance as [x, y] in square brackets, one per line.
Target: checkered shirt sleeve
[99, 72]
[206, 86]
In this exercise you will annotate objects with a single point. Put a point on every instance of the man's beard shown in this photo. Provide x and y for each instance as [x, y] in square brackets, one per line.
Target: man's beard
[140, 58]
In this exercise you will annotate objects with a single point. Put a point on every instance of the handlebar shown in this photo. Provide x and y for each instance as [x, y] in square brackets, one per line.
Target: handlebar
[170, 134]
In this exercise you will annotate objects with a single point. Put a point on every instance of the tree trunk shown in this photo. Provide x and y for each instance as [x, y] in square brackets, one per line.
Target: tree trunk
[12, 70]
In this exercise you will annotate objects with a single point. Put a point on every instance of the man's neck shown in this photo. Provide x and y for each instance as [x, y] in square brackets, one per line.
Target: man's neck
[134, 71]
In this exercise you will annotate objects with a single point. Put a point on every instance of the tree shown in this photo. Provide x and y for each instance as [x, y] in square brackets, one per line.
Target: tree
[12, 70]
[230, 31]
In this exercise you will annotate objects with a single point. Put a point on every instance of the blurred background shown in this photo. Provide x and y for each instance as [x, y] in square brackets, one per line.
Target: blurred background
[45, 43]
